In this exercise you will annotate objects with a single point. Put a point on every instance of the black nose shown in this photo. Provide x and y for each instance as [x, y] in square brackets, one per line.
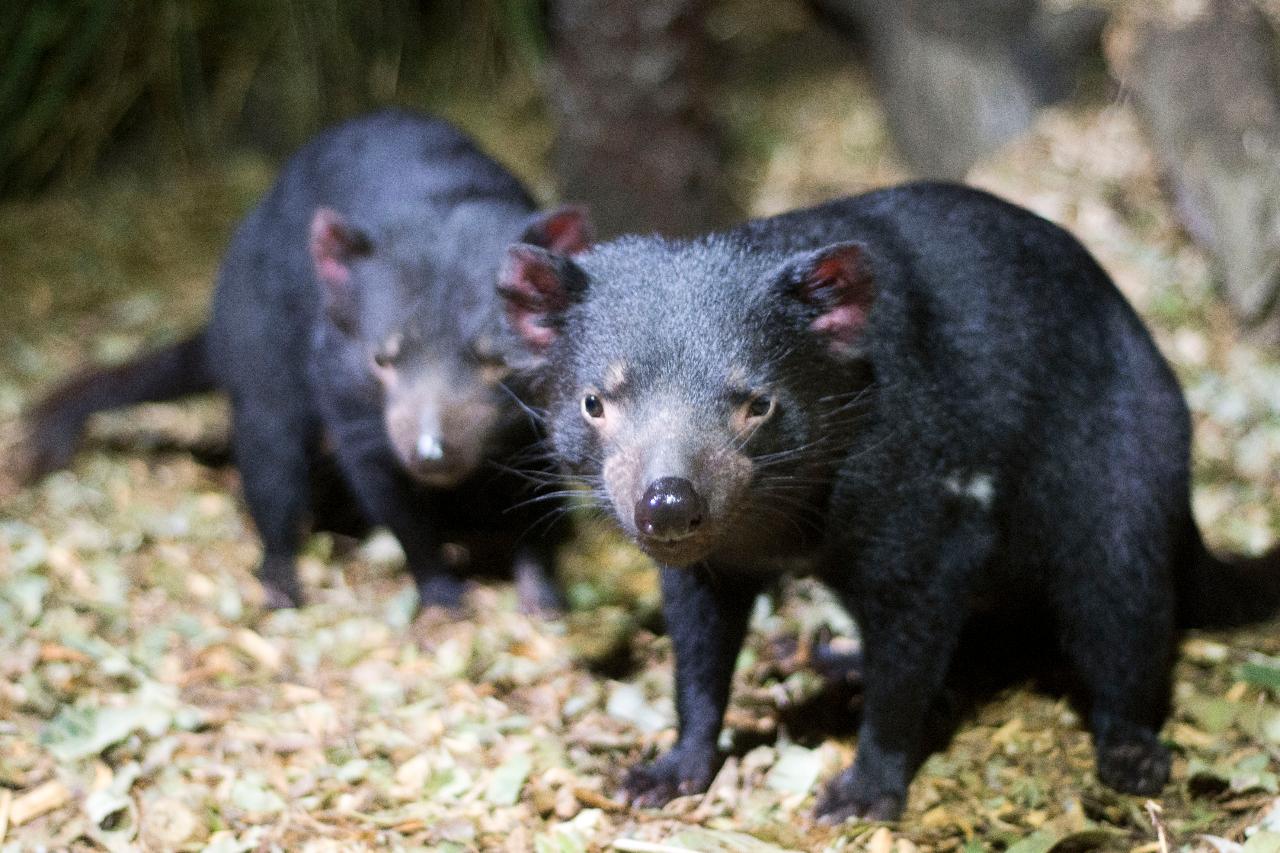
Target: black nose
[669, 509]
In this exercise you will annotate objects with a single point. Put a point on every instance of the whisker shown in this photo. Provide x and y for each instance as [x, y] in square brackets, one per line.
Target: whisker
[536, 417]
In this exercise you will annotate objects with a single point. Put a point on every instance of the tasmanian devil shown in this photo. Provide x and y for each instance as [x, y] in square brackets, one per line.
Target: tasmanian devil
[935, 401]
[355, 322]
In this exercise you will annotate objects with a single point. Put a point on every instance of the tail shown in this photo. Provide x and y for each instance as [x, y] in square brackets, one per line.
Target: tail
[1223, 593]
[54, 426]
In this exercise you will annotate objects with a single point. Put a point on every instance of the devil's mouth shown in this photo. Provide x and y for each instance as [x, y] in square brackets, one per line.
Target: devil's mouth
[686, 551]
[440, 477]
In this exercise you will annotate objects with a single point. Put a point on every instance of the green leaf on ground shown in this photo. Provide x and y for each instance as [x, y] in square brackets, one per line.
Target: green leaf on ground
[508, 779]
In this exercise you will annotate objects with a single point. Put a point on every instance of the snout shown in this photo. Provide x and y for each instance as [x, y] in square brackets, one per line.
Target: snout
[440, 430]
[429, 449]
[669, 510]
[436, 462]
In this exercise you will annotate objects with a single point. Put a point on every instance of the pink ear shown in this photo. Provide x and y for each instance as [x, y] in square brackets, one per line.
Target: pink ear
[565, 230]
[334, 244]
[837, 281]
[533, 283]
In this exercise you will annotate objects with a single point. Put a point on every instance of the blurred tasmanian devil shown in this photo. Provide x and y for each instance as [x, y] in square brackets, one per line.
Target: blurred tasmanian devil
[355, 321]
[934, 400]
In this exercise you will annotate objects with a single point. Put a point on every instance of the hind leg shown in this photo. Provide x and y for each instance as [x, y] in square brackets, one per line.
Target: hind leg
[1117, 629]
[271, 454]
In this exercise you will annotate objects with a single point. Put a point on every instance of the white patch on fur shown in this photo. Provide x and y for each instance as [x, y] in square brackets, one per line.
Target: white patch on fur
[979, 487]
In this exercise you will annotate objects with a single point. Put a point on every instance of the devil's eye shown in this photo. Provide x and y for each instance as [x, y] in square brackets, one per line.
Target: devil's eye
[760, 407]
[387, 354]
[593, 406]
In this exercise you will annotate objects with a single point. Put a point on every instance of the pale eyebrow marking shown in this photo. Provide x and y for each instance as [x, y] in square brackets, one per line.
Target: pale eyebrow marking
[615, 376]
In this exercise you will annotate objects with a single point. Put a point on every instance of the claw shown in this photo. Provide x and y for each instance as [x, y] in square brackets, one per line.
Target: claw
[848, 796]
[278, 598]
[672, 775]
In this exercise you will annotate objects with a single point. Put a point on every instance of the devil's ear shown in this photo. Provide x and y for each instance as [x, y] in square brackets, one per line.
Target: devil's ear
[335, 244]
[537, 287]
[836, 286]
[565, 230]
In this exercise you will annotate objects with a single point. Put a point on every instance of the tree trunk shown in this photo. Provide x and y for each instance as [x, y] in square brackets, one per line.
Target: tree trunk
[959, 79]
[1206, 84]
[630, 83]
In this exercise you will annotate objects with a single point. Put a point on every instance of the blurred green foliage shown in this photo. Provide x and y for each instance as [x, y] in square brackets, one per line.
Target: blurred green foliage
[88, 82]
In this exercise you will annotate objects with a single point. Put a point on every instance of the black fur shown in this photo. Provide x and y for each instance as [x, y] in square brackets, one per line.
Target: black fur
[936, 401]
[380, 239]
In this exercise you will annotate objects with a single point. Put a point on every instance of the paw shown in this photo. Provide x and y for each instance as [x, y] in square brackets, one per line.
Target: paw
[441, 590]
[849, 795]
[279, 578]
[537, 594]
[277, 597]
[1134, 766]
[676, 774]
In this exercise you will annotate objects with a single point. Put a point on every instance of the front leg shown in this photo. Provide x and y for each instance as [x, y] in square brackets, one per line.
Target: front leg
[388, 497]
[911, 602]
[907, 654]
[706, 615]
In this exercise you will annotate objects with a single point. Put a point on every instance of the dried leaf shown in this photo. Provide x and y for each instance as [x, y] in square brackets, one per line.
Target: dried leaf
[507, 780]
[796, 770]
[1261, 675]
[253, 797]
[723, 841]
[627, 702]
[1038, 842]
[41, 800]
[1262, 842]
